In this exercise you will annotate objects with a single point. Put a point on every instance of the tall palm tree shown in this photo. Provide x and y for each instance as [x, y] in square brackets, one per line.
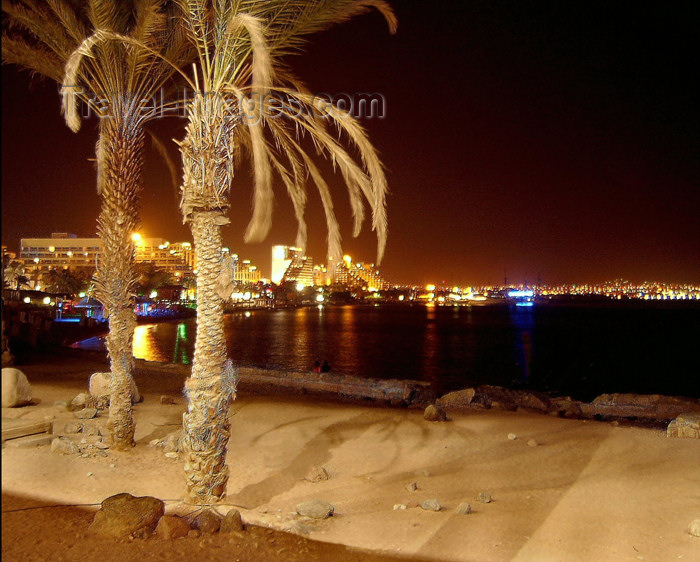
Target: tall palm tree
[64, 40]
[245, 98]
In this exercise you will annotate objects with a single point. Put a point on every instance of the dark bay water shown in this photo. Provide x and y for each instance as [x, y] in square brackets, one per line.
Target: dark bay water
[577, 350]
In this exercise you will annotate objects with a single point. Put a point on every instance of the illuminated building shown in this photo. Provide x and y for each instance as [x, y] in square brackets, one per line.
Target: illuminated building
[244, 271]
[60, 251]
[173, 258]
[359, 275]
[290, 264]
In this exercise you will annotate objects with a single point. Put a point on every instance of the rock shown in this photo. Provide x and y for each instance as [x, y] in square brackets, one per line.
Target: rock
[86, 413]
[172, 527]
[73, 427]
[101, 385]
[172, 455]
[164, 399]
[694, 528]
[412, 487]
[90, 429]
[565, 408]
[64, 446]
[399, 506]
[649, 406]
[464, 508]
[124, 515]
[172, 443]
[318, 475]
[82, 400]
[316, 509]
[207, 522]
[511, 399]
[434, 414]
[686, 425]
[512, 436]
[431, 505]
[483, 497]
[101, 445]
[16, 390]
[194, 533]
[232, 522]
[456, 399]
[532, 443]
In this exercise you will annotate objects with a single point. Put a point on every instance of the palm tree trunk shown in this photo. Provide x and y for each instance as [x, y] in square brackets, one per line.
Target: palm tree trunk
[210, 389]
[119, 165]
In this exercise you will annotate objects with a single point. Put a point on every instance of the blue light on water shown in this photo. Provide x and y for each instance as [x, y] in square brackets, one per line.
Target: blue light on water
[515, 294]
[526, 303]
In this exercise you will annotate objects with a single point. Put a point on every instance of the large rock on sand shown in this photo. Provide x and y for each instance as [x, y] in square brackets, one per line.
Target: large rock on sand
[687, 425]
[16, 390]
[101, 387]
[124, 515]
[456, 399]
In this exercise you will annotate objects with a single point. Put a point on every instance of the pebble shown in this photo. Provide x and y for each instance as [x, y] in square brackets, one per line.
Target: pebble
[89, 474]
[412, 487]
[512, 436]
[694, 528]
[532, 443]
[172, 455]
[86, 413]
[464, 508]
[398, 506]
[431, 505]
[483, 497]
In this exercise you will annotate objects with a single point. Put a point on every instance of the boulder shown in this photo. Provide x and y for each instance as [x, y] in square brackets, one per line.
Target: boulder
[565, 408]
[686, 425]
[124, 515]
[172, 527]
[649, 406]
[207, 522]
[511, 399]
[16, 390]
[232, 522]
[457, 399]
[101, 386]
[435, 414]
[316, 509]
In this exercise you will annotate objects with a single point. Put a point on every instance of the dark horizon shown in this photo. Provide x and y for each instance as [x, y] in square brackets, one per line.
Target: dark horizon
[549, 141]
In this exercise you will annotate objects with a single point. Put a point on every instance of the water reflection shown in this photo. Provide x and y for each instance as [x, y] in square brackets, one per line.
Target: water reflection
[147, 344]
[524, 321]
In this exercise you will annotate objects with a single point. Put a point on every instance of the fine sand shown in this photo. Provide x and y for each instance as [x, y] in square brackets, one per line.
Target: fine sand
[586, 491]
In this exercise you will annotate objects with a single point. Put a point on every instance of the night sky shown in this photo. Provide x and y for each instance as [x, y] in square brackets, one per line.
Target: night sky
[551, 140]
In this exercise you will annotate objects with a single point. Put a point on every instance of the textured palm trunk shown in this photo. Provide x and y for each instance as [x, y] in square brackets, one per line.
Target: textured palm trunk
[209, 390]
[208, 170]
[120, 164]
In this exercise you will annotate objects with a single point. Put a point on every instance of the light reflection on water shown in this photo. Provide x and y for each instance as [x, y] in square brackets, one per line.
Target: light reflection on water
[571, 350]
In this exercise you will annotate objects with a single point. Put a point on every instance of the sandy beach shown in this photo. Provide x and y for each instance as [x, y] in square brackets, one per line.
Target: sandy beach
[561, 489]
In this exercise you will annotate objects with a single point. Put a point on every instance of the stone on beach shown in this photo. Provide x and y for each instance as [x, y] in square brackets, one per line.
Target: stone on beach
[686, 425]
[434, 414]
[16, 390]
[431, 505]
[316, 509]
[207, 522]
[64, 446]
[86, 413]
[484, 497]
[124, 515]
[694, 528]
[464, 508]
[232, 522]
[456, 399]
[101, 386]
[172, 527]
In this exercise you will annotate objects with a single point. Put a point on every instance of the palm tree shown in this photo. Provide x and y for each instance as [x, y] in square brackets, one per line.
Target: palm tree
[14, 275]
[246, 98]
[66, 40]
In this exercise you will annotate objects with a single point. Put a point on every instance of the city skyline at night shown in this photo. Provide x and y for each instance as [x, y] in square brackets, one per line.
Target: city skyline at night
[532, 141]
